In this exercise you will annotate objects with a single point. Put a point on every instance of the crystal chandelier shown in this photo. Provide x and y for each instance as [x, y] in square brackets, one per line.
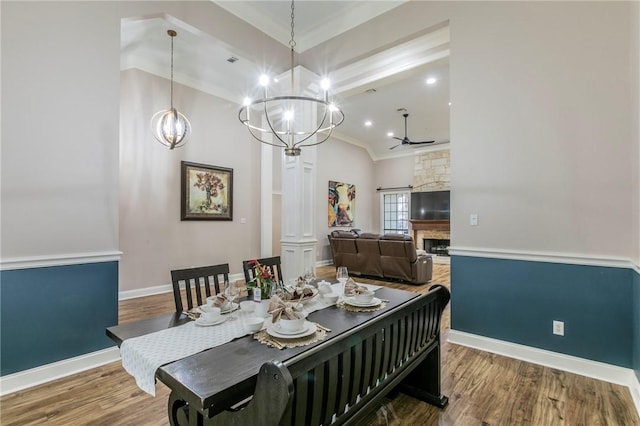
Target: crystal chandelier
[284, 121]
[170, 127]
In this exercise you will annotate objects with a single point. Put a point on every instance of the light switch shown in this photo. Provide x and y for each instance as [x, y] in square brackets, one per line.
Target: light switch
[473, 220]
[243, 220]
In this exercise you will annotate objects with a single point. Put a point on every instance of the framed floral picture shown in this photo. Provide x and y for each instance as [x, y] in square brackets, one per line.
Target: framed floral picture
[206, 192]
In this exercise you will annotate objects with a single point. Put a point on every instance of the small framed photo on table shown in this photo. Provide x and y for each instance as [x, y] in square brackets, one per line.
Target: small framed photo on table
[206, 192]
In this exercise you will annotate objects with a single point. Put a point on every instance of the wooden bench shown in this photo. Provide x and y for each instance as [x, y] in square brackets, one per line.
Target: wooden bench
[343, 379]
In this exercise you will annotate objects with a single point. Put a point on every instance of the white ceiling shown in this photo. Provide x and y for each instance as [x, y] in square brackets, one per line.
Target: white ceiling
[398, 74]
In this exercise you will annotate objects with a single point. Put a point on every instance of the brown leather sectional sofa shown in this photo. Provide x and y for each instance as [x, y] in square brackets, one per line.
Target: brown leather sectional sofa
[384, 256]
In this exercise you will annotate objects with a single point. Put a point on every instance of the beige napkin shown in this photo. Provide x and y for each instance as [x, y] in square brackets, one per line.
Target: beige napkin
[279, 308]
[351, 288]
[219, 300]
[299, 293]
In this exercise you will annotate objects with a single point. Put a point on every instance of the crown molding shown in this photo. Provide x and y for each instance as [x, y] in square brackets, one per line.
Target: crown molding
[322, 29]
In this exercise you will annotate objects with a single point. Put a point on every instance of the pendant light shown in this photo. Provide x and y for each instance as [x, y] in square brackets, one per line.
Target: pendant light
[170, 127]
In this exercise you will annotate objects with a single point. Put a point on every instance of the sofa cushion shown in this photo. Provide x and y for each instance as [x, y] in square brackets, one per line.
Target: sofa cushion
[396, 237]
[369, 236]
[343, 234]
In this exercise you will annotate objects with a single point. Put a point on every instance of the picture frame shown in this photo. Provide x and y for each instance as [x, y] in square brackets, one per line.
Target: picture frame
[206, 192]
[342, 204]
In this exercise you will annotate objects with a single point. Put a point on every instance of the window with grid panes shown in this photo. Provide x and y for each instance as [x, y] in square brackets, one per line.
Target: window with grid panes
[395, 212]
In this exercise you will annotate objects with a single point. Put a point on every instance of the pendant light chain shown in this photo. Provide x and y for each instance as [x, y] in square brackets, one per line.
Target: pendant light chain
[172, 34]
[292, 44]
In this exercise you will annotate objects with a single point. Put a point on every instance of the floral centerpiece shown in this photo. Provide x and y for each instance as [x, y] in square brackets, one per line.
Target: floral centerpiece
[263, 279]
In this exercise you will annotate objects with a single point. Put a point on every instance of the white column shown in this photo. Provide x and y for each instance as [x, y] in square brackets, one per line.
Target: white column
[298, 235]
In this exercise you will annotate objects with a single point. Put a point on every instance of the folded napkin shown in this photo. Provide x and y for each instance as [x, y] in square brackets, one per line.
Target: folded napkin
[219, 300]
[351, 288]
[299, 293]
[279, 308]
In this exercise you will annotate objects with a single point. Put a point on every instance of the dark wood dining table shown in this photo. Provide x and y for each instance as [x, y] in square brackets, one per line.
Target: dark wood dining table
[218, 378]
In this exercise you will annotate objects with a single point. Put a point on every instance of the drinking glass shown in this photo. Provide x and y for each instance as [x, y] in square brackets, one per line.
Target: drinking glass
[308, 276]
[342, 275]
[232, 291]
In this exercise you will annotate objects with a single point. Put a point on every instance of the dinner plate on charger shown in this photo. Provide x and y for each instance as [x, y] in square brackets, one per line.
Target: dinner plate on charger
[350, 300]
[307, 330]
[200, 322]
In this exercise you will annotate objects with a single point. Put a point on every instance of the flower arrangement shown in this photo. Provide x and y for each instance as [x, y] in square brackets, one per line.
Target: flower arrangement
[263, 279]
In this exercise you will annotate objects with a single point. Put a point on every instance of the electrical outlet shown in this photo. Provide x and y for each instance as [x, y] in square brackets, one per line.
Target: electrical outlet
[558, 328]
[473, 219]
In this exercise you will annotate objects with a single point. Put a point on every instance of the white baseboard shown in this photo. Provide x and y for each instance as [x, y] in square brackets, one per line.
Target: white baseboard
[584, 367]
[324, 262]
[147, 291]
[159, 289]
[46, 373]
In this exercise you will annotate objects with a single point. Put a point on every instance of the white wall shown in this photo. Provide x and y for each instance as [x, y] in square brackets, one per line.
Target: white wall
[59, 129]
[540, 121]
[541, 125]
[343, 162]
[152, 237]
[541, 149]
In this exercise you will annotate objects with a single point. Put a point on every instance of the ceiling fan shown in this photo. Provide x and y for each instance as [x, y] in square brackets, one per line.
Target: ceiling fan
[406, 140]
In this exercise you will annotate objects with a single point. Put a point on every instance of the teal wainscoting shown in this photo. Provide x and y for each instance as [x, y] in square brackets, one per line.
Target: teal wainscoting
[516, 301]
[636, 323]
[53, 313]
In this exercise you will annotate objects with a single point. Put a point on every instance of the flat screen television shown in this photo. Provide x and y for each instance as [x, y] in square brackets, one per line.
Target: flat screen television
[434, 205]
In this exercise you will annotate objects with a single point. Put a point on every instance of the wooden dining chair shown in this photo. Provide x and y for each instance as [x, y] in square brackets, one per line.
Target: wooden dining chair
[272, 264]
[199, 283]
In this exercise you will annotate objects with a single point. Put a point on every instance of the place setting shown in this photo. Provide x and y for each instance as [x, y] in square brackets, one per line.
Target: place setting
[288, 327]
[215, 311]
[358, 298]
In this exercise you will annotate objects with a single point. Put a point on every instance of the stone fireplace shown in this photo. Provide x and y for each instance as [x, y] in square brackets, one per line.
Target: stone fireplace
[433, 236]
[432, 172]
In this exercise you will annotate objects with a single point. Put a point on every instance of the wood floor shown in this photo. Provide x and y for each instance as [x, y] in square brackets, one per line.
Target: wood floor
[483, 389]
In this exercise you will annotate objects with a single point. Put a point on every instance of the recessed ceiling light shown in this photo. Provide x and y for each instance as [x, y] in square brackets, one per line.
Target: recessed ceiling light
[431, 80]
[389, 134]
[449, 103]
[368, 123]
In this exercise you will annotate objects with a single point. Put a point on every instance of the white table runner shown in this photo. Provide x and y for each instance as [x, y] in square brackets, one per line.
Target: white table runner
[142, 356]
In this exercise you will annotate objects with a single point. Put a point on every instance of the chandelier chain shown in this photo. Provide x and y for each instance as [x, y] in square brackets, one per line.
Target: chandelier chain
[292, 42]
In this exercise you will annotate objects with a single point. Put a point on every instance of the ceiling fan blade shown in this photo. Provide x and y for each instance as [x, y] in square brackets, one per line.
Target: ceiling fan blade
[420, 143]
[395, 137]
[395, 146]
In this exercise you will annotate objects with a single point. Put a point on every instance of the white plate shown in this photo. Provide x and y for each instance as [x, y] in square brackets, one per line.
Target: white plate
[307, 330]
[350, 300]
[203, 323]
[234, 306]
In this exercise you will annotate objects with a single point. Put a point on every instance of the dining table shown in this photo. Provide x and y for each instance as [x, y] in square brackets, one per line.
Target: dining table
[221, 377]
